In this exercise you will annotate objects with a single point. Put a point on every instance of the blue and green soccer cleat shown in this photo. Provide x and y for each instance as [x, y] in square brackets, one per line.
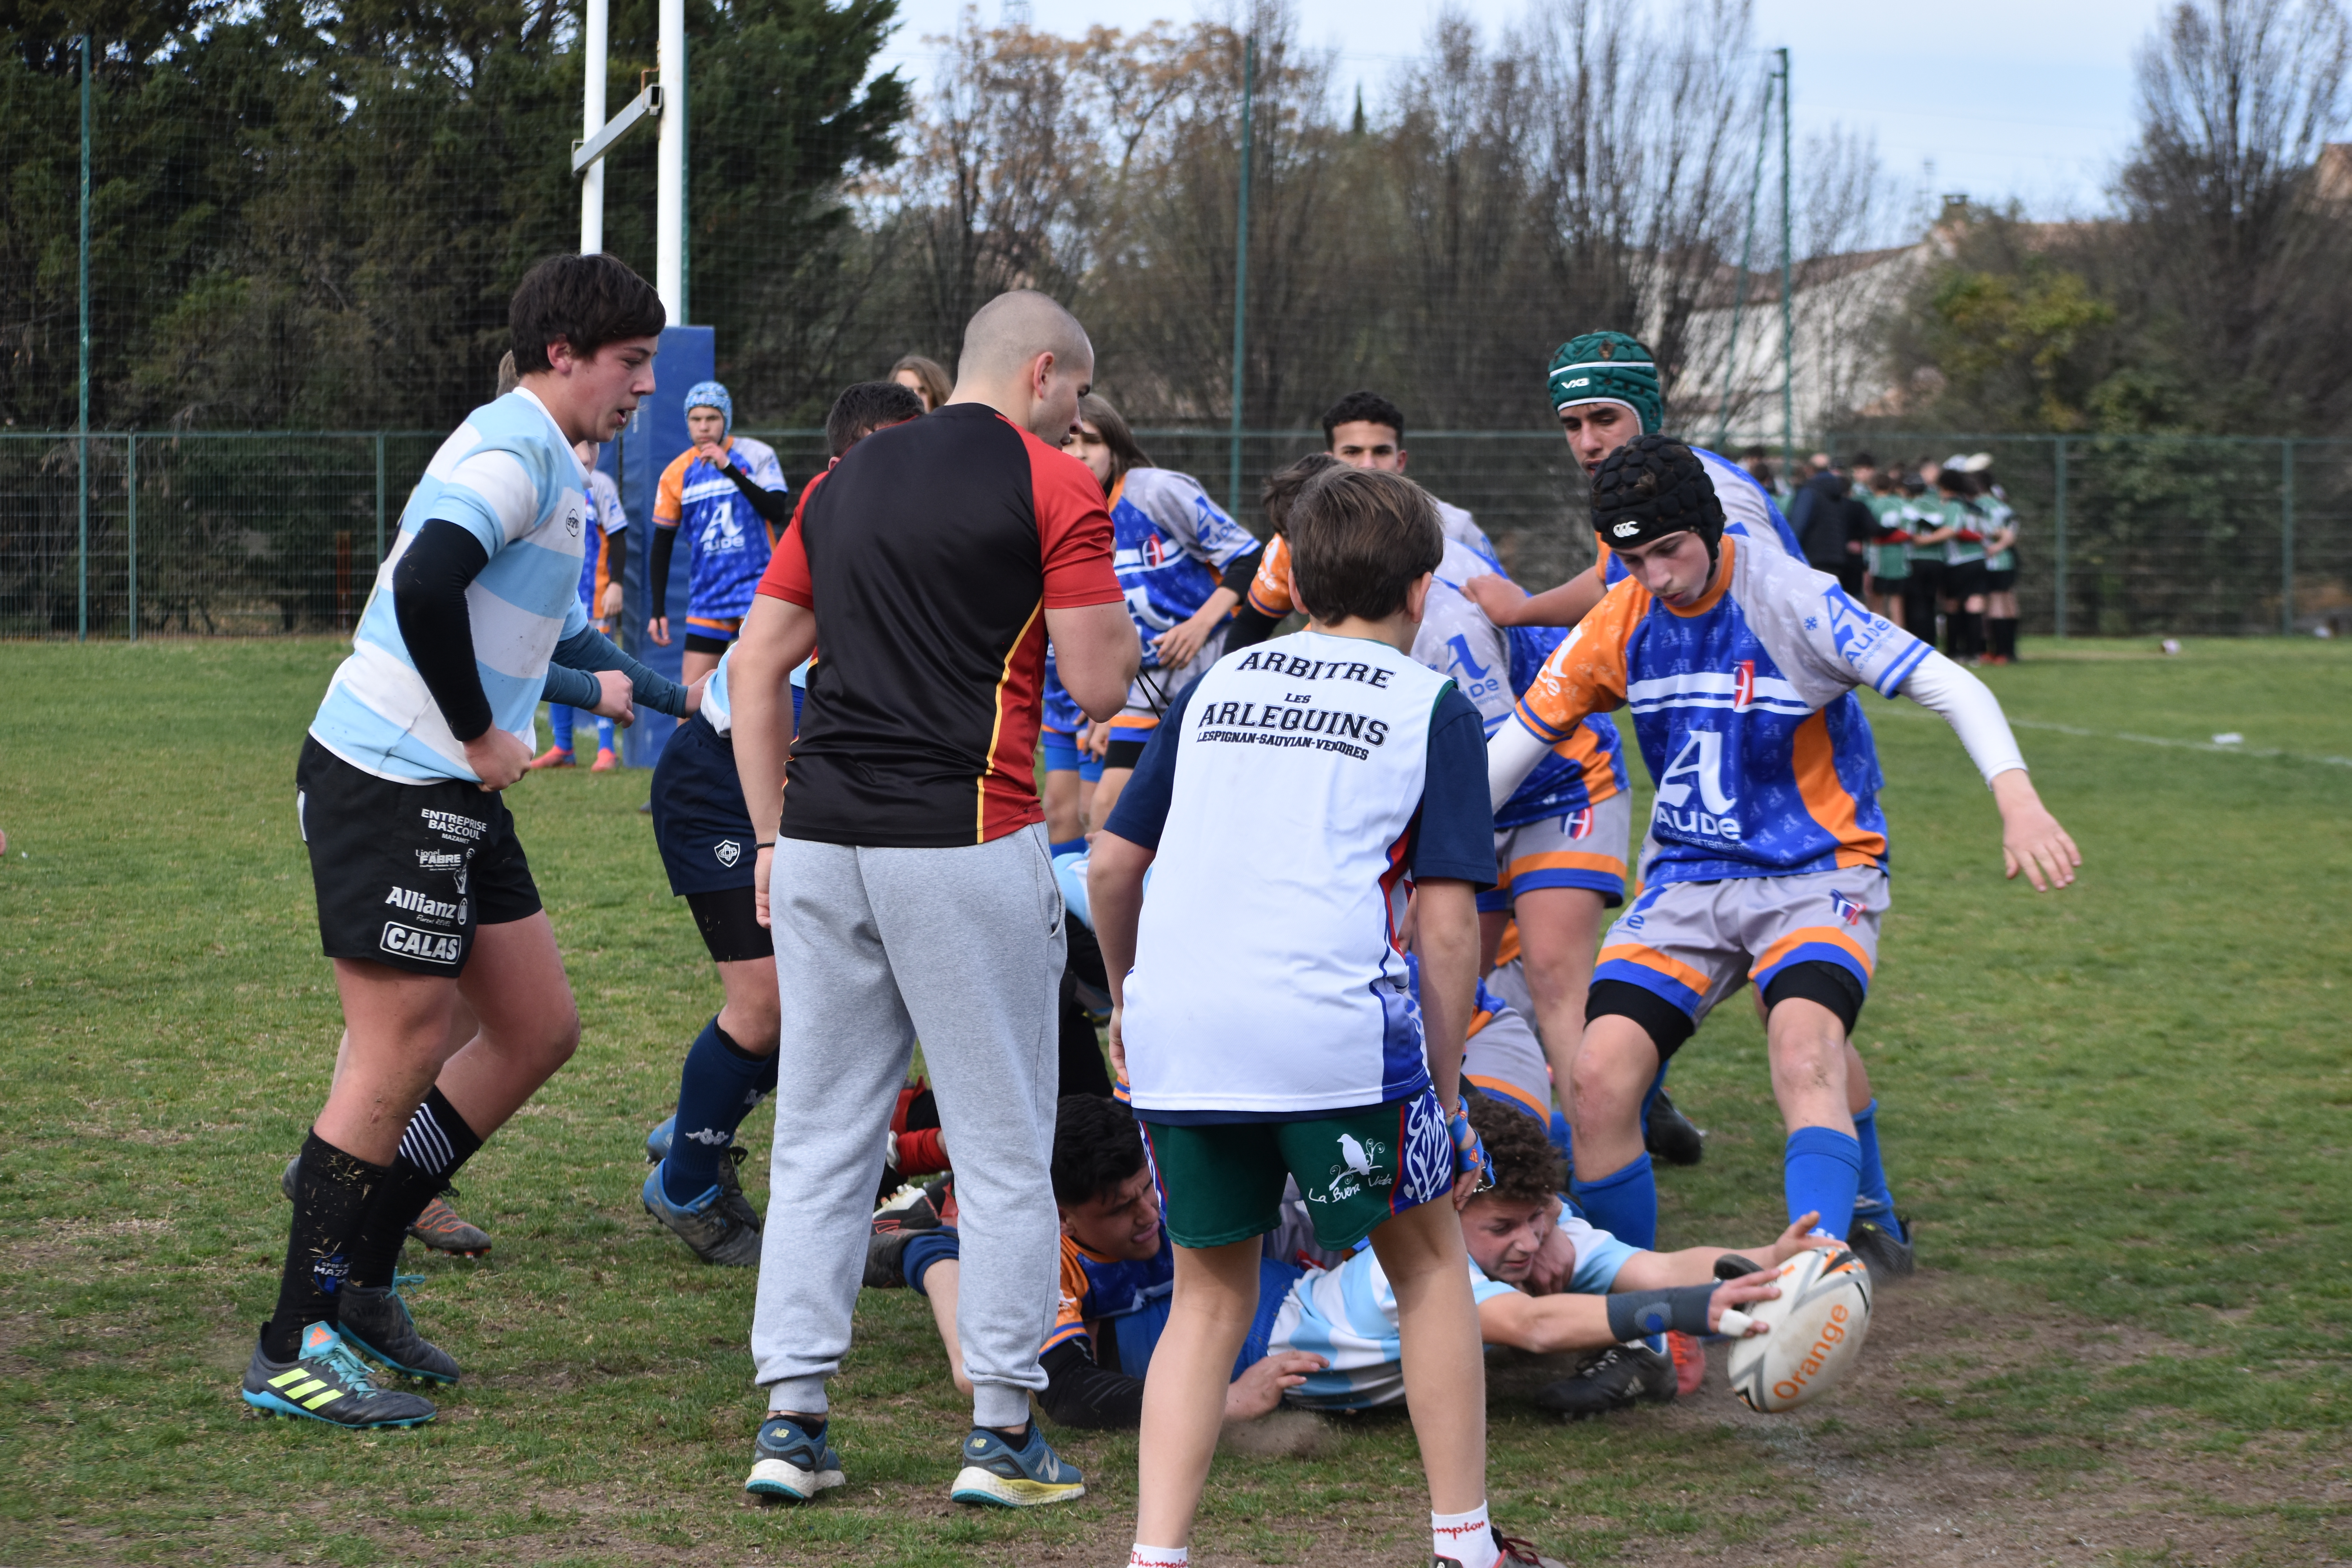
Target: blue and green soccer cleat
[377, 1321]
[327, 1382]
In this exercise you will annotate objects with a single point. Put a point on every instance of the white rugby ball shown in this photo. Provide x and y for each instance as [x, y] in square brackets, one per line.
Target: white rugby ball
[1818, 1324]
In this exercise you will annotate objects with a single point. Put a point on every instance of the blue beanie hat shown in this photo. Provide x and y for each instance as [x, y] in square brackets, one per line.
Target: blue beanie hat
[710, 395]
[1607, 367]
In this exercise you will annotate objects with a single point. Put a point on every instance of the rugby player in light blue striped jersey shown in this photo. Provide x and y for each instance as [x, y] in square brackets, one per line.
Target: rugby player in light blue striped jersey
[425, 901]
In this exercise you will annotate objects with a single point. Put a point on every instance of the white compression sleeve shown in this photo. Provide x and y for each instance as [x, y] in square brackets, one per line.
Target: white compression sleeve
[1512, 753]
[1970, 708]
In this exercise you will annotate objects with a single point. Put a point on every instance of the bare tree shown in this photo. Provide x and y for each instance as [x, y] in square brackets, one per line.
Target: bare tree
[2231, 233]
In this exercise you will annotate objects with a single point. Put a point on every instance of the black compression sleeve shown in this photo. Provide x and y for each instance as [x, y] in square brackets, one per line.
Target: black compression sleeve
[1239, 570]
[428, 599]
[1251, 626]
[665, 540]
[592, 650]
[1639, 1312]
[572, 688]
[1080, 1393]
[775, 507]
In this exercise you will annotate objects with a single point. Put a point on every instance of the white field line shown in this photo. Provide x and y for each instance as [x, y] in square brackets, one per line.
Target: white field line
[1908, 710]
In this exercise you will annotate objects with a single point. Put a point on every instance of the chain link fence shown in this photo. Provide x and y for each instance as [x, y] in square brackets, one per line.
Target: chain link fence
[281, 532]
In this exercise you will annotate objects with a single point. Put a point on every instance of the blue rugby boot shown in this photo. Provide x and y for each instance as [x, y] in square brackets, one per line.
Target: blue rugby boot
[377, 1321]
[658, 1141]
[998, 1474]
[720, 1227]
[792, 1461]
[326, 1382]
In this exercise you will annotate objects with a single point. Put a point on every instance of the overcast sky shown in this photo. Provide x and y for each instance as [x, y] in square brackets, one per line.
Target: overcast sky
[2030, 99]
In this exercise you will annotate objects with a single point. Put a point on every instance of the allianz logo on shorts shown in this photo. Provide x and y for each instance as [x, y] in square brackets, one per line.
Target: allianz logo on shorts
[417, 903]
[1359, 1168]
[432, 947]
[728, 852]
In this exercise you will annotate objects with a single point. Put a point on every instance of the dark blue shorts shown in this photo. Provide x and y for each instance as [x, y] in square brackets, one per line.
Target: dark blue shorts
[700, 826]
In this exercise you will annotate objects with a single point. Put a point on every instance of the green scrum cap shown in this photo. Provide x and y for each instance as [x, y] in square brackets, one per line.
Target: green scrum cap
[1607, 367]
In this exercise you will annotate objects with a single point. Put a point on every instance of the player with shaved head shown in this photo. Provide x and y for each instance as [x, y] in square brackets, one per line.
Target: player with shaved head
[905, 876]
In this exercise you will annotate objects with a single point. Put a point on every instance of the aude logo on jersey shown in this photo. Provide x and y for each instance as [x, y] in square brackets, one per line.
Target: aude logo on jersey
[1853, 631]
[1475, 679]
[1699, 763]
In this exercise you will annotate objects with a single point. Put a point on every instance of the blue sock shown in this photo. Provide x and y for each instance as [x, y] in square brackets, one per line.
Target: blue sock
[604, 736]
[1624, 1202]
[1657, 1088]
[1874, 1186]
[718, 1088]
[1069, 847]
[1562, 1137]
[558, 719]
[1821, 1169]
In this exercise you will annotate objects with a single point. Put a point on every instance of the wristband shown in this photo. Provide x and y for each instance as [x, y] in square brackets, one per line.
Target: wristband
[1637, 1314]
[764, 843]
[1469, 1151]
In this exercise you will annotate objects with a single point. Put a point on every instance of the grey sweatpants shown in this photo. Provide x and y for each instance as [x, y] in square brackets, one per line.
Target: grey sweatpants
[876, 948]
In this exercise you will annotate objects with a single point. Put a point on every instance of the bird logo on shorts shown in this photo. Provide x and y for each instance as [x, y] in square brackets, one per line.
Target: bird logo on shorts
[1357, 1170]
[1848, 909]
[729, 852]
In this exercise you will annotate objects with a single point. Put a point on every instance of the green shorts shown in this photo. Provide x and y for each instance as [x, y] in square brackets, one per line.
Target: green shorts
[1223, 1182]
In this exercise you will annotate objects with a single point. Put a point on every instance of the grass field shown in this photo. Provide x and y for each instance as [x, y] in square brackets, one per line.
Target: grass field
[2121, 1115]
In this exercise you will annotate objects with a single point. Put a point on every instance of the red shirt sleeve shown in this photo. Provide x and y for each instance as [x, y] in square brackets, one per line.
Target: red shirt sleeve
[1073, 537]
[787, 576]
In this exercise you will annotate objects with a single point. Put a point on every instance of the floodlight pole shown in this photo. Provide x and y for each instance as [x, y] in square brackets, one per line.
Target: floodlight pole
[1788, 292]
[1747, 248]
[669, 187]
[1241, 276]
[595, 46]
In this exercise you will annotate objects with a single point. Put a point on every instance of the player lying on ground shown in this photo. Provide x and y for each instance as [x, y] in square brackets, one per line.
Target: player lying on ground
[1767, 853]
[1183, 566]
[1118, 1270]
[707, 842]
[1545, 1281]
[425, 894]
[1336, 766]
[704, 494]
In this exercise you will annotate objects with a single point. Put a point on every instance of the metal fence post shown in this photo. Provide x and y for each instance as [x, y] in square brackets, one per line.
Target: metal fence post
[1241, 274]
[2286, 536]
[379, 500]
[82, 447]
[131, 525]
[2058, 617]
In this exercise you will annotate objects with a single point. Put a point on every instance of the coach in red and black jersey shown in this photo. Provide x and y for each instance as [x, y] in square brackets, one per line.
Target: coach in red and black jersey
[905, 870]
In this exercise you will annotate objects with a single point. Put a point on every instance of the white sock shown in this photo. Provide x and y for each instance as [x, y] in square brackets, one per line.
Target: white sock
[1466, 1537]
[1160, 1556]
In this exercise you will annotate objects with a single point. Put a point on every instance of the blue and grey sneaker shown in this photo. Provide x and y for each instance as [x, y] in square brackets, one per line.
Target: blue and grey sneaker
[792, 1462]
[1883, 1240]
[720, 1227]
[326, 1382]
[1002, 1475]
[657, 1139]
[377, 1321]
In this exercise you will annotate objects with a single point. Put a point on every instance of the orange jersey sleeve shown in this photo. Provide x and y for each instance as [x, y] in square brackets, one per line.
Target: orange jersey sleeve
[1269, 590]
[1586, 674]
[603, 570]
[1069, 1320]
[669, 495]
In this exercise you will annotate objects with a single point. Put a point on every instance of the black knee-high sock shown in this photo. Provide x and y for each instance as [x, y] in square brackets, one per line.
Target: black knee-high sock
[1970, 634]
[332, 1192]
[2004, 636]
[437, 1142]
